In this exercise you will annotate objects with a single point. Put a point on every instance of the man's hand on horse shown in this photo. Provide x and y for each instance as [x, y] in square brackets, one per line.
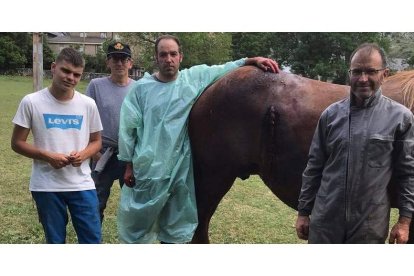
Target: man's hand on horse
[266, 64]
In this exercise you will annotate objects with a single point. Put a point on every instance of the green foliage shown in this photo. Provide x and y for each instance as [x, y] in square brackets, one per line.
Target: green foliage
[11, 55]
[402, 45]
[313, 55]
[16, 51]
[205, 48]
[327, 54]
[410, 61]
[142, 47]
[272, 45]
[198, 48]
[48, 55]
[252, 44]
[97, 64]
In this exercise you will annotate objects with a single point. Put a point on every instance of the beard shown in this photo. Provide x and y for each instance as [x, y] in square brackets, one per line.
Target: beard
[169, 71]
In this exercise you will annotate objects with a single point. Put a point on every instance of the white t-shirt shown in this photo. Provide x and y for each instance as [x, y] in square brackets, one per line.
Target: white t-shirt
[60, 127]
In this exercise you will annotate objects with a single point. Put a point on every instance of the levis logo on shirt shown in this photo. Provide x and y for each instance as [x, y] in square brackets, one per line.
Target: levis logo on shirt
[63, 121]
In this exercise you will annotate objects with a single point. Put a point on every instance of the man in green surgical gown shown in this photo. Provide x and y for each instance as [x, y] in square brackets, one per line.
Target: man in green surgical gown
[158, 198]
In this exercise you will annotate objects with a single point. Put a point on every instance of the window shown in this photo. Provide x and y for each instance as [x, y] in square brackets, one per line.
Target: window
[103, 35]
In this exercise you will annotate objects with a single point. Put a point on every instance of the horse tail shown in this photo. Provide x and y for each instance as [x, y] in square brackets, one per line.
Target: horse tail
[406, 78]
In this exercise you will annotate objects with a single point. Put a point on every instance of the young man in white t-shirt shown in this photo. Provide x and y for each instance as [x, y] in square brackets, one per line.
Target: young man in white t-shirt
[66, 133]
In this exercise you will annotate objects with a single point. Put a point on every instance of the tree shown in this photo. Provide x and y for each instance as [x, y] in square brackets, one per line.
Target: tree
[142, 47]
[410, 62]
[198, 48]
[252, 44]
[205, 48]
[48, 55]
[11, 55]
[322, 56]
[97, 63]
[16, 51]
[327, 55]
[273, 45]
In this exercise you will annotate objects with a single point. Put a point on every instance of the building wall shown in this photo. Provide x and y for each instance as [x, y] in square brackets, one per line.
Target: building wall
[86, 42]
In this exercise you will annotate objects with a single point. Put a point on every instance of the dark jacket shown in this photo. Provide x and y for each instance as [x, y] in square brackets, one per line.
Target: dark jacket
[353, 155]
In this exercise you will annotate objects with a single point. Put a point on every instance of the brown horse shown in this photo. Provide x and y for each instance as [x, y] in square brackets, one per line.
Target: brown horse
[252, 122]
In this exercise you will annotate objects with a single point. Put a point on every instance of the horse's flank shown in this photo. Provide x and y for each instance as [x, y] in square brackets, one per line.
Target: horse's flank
[250, 122]
[405, 80]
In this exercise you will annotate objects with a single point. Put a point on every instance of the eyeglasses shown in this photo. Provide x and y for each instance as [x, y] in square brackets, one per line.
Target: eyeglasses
[123, 60]
[369, 72]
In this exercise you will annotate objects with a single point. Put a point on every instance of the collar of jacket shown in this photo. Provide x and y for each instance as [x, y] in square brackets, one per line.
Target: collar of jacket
[371, 101]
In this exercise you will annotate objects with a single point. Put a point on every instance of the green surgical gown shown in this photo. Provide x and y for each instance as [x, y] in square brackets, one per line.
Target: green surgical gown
[153, 136]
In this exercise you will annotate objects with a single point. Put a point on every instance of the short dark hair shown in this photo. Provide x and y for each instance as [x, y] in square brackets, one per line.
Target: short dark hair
[167, 36]
[369, 47]
[72, 56]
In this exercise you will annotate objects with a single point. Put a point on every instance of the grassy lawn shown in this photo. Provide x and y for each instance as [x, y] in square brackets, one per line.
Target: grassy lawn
[249, 213]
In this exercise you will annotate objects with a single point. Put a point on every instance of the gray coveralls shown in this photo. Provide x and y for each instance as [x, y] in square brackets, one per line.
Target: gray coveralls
[353, 155]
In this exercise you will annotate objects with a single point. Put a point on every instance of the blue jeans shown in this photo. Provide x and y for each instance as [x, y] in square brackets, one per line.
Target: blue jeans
[83, 207]
[114, 170]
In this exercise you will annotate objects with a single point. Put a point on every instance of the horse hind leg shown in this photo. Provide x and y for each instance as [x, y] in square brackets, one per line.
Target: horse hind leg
[209, 191]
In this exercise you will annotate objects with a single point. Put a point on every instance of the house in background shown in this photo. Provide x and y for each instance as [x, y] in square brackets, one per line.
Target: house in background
[85, 42]
[88, 43]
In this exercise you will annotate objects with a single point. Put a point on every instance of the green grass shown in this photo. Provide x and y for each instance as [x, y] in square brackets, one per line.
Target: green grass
[249, 213]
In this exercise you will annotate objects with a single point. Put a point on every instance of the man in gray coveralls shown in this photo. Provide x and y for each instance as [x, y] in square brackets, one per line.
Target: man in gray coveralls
[358, 144]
